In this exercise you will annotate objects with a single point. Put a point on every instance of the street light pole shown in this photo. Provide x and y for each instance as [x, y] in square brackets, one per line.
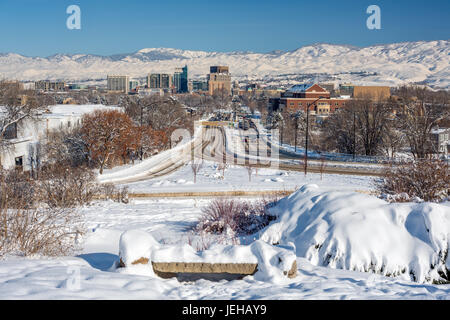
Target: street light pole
[307, 133]
[296, 129]
[354, 134]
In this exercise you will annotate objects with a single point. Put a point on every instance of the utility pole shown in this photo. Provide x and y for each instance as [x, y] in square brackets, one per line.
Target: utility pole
[296, 129]
[354, 134]
[140, 128]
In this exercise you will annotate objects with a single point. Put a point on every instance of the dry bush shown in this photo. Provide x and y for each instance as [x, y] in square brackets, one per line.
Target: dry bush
[111, 192]
[20, 191]
[235, 217]
[28, 229]
[428, 180]
[43, 231]
[64, 186]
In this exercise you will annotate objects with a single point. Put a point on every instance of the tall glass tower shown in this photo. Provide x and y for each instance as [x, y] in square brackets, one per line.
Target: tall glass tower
[180, 80]
[184, 80]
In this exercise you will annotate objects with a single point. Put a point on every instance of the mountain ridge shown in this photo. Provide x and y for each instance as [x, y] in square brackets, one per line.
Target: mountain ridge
[425, 62]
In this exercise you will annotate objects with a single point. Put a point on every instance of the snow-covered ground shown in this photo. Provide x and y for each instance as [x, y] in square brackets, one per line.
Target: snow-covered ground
[88, 275]
[53, 279]
[355, 222]
[209, 179]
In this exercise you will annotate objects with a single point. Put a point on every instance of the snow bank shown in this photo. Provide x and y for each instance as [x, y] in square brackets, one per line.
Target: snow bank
[352, 231]
[135, 247]
[274, 263]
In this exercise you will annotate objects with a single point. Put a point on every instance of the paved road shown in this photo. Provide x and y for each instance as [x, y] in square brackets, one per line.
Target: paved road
[213, 144]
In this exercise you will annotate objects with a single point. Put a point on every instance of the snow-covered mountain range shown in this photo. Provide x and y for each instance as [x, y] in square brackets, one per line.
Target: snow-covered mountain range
[425, 62]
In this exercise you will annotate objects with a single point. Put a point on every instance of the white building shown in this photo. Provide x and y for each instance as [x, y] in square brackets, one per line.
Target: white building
[441, 139]
[118, 83]
[29, 133]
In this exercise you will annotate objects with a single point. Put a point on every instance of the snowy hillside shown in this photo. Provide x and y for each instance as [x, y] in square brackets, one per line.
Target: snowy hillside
[392, 64]
[358, 232]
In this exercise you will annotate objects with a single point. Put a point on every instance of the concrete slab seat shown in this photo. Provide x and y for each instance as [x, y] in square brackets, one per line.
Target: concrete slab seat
[167, 270]
[218, 262]
[175, 269]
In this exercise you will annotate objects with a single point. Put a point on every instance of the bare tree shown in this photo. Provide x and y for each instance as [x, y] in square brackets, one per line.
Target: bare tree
[222, 99]
[322, 166]
[419, 111]
[106, 134]
[359, 127]
[196, 166]
[222, 167]
[17, 105]
[34, 159]
[394, 139]
[249, 168]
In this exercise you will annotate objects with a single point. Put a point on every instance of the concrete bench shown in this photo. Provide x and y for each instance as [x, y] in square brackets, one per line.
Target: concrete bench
[218, 262]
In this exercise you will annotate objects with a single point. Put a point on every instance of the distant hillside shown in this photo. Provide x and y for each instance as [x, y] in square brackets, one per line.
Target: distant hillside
[425, 62]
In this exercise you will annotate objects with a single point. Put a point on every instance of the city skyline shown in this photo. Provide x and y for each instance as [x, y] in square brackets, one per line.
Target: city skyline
[115, 27]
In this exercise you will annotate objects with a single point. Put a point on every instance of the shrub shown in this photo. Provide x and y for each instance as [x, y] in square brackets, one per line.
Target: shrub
[26, 228]
[111, 192]
[64, 186]
[18, 189]
[428, 180]
[45, 231]
[235, 217]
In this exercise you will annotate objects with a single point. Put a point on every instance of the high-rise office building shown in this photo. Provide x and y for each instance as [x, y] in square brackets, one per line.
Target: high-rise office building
[159, 81]
[184, 80]
[199, 85]
[177, 79]
[118, 83]
[180, 80]
[133, 84]
[219, 79]
[46, 85]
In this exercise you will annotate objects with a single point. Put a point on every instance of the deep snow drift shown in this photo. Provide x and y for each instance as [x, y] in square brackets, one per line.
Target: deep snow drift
[352, 231]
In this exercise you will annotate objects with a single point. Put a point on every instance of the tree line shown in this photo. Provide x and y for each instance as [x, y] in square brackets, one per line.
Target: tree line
[373, 127]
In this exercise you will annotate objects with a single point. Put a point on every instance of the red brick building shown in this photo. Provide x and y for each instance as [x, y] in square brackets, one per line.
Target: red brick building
[300, 96]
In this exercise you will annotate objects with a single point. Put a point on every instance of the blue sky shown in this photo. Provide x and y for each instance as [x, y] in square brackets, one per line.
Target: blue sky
[38, 27]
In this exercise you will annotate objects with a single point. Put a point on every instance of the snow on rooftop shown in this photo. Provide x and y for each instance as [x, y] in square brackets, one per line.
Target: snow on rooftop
[299, 88]
[76, 109]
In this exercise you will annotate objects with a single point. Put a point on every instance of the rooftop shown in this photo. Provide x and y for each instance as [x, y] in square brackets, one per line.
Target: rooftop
[300, 88]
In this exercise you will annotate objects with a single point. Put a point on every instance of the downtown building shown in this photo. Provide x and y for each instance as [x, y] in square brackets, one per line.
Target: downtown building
[200, 86]
[160, 81]
[181, 80]
[312, 97]
[47, 85]
[219, 79]
[320, 101]
[118, 83]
